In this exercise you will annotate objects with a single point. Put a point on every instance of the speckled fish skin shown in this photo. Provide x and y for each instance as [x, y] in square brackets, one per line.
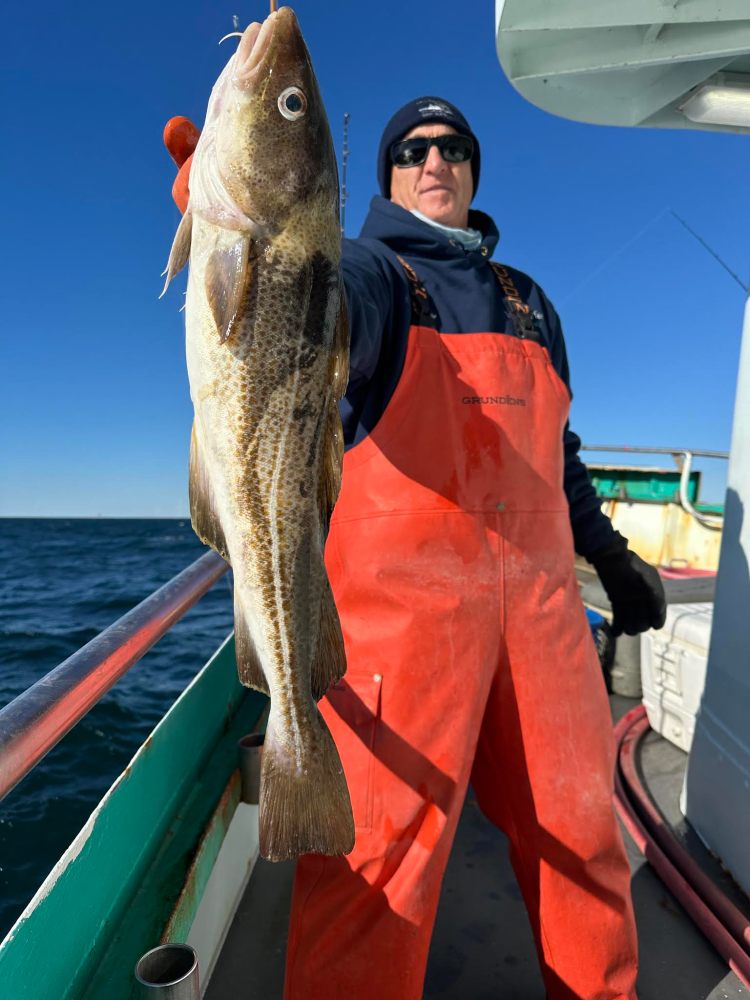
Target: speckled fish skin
[267, 353]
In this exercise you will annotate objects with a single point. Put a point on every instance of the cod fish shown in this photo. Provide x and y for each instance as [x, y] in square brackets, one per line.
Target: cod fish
[267, 357]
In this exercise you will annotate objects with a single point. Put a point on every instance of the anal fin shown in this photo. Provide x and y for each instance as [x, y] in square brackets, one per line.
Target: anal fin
[206, 523]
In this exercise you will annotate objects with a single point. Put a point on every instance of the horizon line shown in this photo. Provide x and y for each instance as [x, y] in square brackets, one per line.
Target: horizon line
[94, 517]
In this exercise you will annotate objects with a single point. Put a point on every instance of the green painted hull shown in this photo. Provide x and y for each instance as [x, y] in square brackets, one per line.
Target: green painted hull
[641, 485]
[120, 883]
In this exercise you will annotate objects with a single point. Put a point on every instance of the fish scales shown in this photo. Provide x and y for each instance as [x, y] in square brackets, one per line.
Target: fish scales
[267, 355]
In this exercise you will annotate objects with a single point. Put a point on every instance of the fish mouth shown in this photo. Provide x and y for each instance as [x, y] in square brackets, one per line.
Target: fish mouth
[254, 46]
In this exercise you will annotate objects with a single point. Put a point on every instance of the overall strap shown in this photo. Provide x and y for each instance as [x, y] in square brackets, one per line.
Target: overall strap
[524, 321]
[423, 312]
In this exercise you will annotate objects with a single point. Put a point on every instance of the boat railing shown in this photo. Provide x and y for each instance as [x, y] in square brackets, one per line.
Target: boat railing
[683, 458]
[34, 722]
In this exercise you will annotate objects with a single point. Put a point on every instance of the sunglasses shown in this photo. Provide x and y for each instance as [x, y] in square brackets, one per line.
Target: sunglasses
[412, 152]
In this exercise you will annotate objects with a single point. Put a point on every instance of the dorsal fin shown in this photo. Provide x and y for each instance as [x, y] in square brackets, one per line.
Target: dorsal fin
[333, 442]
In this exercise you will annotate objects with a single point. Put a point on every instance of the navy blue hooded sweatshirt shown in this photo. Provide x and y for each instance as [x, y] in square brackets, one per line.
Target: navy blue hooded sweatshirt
[467, 298]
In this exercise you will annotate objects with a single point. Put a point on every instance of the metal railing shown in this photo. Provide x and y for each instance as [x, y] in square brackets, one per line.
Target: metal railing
[683, 458]
[36, 720]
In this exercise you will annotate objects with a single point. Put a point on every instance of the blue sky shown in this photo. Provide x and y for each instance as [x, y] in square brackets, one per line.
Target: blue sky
[94, 411]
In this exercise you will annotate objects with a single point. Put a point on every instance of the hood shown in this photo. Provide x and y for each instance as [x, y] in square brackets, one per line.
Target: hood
[405, 233]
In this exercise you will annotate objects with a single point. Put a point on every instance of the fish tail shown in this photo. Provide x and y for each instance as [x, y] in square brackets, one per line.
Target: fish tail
[304, 809]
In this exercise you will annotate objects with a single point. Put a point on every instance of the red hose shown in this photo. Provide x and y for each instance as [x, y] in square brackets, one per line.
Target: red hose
[733, 919]
[688, 895]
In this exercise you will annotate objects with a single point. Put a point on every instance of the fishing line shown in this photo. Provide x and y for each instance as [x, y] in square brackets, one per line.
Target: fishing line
[344, 162]
[628, 243]
[713, 253]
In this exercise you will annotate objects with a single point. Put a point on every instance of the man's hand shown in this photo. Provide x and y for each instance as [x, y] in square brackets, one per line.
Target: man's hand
[633, 586]
[181, 138]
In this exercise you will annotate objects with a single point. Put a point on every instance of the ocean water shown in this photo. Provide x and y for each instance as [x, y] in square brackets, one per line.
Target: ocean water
[61, 583]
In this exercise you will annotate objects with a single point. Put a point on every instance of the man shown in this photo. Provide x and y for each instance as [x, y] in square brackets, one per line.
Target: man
[451, 558]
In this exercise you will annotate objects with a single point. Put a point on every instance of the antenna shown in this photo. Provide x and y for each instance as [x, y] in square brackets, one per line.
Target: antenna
[344, 161]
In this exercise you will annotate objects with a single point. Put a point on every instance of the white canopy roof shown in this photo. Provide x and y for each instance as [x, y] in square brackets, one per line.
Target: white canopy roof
[622, 62]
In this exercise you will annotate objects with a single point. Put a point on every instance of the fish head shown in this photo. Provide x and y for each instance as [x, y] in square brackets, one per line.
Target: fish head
[266, 147]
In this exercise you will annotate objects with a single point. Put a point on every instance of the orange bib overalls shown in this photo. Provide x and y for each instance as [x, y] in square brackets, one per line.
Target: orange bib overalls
[451, 560]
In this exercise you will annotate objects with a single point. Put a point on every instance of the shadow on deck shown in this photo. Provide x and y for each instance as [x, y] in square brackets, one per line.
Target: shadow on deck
[482, 947]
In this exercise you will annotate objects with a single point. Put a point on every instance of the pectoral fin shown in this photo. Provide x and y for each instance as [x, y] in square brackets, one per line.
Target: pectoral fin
[227, 284]
[180, 252]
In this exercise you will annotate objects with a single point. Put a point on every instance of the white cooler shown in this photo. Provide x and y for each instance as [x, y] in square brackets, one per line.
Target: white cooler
[673, 671]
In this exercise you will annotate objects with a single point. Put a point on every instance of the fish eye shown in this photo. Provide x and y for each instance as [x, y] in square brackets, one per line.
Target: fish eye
[292, 103]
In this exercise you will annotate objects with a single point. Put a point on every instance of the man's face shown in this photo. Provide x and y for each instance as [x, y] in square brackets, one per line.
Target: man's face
[441, 191]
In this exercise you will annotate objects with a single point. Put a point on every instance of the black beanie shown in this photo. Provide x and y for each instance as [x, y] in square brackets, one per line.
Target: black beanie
[422, 111]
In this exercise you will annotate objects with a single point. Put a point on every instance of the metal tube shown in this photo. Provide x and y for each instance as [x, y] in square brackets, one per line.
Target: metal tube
[251, 748]
[684, 458]
[714, 523]
[655, 451]
[39, 718]
[169, 972]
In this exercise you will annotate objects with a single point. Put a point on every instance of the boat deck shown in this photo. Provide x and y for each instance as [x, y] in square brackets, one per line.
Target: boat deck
[482, 946]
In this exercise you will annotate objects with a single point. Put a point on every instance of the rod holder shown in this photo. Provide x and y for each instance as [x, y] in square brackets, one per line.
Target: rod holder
[250, 750]
[168, 972]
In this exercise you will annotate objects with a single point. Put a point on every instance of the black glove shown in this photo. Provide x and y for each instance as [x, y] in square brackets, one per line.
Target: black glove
[633, 586]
